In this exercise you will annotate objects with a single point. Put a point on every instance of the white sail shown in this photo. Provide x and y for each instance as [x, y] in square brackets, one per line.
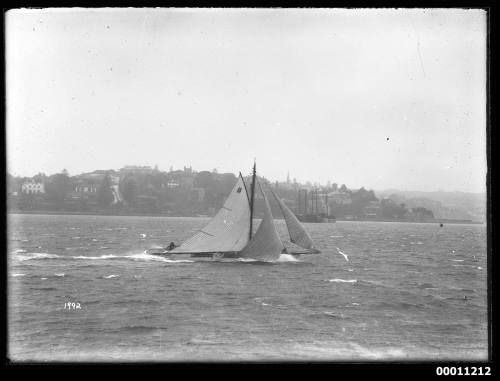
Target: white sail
[265, 245]
[298, 235]
[228, 231]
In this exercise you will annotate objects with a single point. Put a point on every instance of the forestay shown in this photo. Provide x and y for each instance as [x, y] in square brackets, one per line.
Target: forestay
[228, 231]
[298, 234]
[265, 244]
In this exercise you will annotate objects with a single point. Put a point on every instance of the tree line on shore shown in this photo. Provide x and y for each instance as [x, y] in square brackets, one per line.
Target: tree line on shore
[143, 190]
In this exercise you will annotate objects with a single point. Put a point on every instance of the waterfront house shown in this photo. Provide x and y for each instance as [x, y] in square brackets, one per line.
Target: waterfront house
[32, 187]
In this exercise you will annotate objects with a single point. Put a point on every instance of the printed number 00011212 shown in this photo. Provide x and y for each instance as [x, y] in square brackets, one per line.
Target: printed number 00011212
[463, 371]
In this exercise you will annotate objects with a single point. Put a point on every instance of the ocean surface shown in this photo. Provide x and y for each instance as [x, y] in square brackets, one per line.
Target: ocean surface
[379, 291]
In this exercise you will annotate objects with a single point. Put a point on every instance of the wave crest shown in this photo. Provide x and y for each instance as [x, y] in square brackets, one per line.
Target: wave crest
[287, 258]
[137, 257]
[30, 256]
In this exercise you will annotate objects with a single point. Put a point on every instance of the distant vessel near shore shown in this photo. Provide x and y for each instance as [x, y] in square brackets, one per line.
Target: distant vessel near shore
[306, 214]
[230, 232]
[318, 218]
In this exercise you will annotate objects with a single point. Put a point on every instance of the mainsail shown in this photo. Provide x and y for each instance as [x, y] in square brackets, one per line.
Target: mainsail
[227, 231]
[298, 235]
[265, 244]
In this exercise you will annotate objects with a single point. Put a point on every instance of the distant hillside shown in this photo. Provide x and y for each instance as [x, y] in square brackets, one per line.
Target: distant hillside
[142, 189]
[452, 205]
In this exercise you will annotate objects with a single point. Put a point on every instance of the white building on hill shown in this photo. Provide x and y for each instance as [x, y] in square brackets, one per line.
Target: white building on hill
[32, 187]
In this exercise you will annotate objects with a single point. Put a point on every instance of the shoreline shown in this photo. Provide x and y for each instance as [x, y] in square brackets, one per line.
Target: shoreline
[58, 212]
[438, 221]
[61, 212]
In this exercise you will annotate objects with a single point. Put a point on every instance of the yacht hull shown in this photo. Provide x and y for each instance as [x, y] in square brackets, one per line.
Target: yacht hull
[165, 253]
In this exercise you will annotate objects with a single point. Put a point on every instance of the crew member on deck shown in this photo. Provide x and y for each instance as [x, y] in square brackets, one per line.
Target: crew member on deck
[171, 246]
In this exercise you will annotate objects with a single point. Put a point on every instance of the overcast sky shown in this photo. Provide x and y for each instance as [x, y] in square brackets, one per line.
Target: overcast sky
[374, 98]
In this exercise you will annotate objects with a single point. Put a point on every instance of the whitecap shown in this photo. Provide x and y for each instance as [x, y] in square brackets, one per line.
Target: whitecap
[343, 254]
[287, 258]
[359, 351]
[457, 260]
[30, 256]
[333, 314]
[111, 276]
[59, 274]
[106, 256]
[44, 278]
[355, 304]
[18, 274]
[337, 280]
[137, 257]
[479, 268]
[150, 257]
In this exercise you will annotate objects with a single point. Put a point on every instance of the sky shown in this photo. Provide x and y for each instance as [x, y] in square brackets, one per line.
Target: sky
[378, 98]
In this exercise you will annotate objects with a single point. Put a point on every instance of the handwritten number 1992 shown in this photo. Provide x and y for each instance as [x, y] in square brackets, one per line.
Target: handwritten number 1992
[72, 306]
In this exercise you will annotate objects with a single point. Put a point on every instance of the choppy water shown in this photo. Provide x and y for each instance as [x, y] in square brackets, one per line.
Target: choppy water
[378, 291]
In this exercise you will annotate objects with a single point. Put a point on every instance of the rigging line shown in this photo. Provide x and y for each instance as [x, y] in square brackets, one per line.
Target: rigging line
[245, 186]
[203, 231]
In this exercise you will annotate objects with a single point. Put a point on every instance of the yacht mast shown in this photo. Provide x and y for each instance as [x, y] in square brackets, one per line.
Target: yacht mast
[252, 199]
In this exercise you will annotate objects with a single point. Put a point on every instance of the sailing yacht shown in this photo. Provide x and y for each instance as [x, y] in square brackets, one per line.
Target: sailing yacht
[230, 233]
